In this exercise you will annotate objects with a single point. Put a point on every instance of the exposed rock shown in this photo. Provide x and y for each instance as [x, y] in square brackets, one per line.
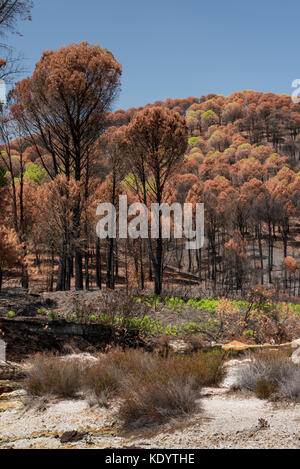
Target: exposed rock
[179, 346]
[296, 357]
[9, 395]
[8, 387]
[11, 371]
[81, 357]
[72, 436]
[262, 423]
[10, 398]
[296, 343]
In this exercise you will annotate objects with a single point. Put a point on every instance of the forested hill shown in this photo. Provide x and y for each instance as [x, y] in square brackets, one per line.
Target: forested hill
[228, 122]
[242, 161]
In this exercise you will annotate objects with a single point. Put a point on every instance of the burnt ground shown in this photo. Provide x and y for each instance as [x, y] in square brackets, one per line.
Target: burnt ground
[19, 301]
[27, 336]
[28, 333]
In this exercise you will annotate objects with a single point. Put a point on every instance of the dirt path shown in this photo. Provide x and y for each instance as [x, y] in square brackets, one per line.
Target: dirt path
[226, 420]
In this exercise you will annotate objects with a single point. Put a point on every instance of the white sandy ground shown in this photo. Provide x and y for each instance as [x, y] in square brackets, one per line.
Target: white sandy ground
[226, 420]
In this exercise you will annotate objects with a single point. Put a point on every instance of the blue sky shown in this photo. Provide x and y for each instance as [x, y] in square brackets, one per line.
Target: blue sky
[176, 48]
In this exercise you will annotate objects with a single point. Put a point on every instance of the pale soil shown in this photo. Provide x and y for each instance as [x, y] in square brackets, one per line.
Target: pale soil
[226, 420]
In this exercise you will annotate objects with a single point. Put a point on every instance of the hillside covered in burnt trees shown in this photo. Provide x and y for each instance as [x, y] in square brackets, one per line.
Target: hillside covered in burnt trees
[242, 161]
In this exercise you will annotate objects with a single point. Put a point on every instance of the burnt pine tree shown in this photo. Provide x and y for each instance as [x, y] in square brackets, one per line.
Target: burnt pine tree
[64, 106]
[156, 141]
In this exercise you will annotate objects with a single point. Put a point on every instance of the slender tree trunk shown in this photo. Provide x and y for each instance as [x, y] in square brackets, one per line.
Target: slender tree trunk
[142, 276]
[78, 270]
[61, 276]
[150, 270]
[110, 265]
[86, 270]
[110, 281]
[190, 261]
[98, 265]
[157, 280]
[117, 260]
[214, 260]
[25, 277]
[76, 227]
[270, 255]
[200, 265]
[261, 257]
[77, 250]
[69, 269]
[51, 283]
[158, 267]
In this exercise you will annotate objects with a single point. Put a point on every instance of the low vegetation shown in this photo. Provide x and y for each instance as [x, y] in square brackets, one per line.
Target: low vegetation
[50, 375]
[260, 318]
[269, 374]
[149, 388]
[157, 401]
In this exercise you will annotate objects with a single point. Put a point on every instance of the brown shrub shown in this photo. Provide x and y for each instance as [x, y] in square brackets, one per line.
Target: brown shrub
[51, 375]
[195, 343]
[101, 381]
[264, 389]
[206, 369]
[133, 362]
[152, 389]
[156, 401]
[168, 389]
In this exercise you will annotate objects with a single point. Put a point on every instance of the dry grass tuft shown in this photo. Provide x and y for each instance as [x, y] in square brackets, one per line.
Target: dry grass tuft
[169, 388]
[51, 375]
[152, 403]
[269, 373]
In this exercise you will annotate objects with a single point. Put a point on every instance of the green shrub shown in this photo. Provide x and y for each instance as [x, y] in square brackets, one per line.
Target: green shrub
[54, 315]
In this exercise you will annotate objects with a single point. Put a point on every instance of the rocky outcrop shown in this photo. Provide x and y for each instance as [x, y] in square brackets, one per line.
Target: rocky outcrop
[296, 355]
[11, 371]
